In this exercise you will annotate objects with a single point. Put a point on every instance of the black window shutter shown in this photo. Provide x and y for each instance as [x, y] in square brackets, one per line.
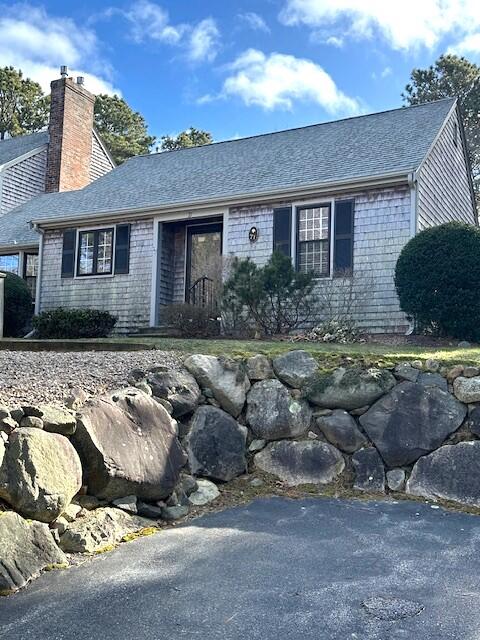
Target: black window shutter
[282, 230]
[68, 253]
[343, 242]
[122, 248]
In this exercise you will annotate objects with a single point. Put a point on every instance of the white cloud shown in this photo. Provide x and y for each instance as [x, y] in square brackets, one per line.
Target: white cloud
[469, 45]
[384, 73]
[335, 41]
[406, 24]
[150, 21]
[203, 41]
[254, 21]
[277, 81]
[38, 43]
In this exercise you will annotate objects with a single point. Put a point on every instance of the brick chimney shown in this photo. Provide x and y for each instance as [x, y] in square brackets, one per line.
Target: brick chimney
[70, 129]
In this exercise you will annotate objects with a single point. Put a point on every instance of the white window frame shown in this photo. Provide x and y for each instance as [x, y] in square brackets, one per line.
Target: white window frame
[78, 276]
[318, 202]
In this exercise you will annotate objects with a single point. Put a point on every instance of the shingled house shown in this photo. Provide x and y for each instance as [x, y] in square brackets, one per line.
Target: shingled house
[69, 155]
[340, 198]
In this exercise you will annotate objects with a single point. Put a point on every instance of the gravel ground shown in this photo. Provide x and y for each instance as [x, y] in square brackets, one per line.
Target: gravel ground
[46, 376]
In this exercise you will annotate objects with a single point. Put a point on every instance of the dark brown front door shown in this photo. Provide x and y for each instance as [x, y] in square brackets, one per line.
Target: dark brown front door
[204, 264]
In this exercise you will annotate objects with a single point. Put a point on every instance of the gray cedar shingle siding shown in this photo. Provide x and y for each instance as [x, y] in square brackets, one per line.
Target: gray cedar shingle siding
[23, 181]
[126, 296]
[381, 228]
[443, 185]
[100, 163]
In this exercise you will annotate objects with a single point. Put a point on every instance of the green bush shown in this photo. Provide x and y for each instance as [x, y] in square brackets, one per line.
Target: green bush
[190, 320]
[275, 297]
[438, 278]
[74, 323]
[18, 307]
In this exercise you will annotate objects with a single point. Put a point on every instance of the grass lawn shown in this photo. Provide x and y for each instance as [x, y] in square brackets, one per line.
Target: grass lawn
[328, 355]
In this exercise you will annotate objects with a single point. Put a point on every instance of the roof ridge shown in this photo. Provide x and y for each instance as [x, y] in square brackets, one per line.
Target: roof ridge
[308, 126]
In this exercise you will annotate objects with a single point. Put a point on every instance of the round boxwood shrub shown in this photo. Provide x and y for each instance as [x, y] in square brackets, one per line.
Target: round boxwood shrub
[73, 323]
[438, 278]
[18, 307]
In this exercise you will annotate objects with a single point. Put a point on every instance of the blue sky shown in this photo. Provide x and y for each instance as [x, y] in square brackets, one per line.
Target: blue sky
[238, 68]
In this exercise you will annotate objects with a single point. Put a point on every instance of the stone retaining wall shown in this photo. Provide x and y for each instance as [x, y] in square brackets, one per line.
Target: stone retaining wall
[101, 469]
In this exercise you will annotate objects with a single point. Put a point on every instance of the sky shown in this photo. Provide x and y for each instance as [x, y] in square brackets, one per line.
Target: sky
[239, 67]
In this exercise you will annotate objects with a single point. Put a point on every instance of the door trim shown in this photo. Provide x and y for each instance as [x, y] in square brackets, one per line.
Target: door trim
[191, 229]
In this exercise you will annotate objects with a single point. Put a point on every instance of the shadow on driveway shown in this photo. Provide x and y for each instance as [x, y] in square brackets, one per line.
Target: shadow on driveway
[276, 569]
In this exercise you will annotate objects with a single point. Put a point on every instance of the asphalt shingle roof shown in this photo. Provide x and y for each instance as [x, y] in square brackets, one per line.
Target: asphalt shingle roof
[360, 147]
[15, 147]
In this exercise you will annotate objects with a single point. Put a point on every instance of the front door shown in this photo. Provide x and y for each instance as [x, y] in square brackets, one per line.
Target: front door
[204, 265]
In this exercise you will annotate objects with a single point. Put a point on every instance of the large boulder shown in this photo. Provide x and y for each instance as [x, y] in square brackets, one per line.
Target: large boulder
[295, 367]
[25, 550]
[467, 389]
[259, 367]
[40, 473]
[216, 444]
[349, 388]
[273, 414]
[128, 445]
[341, 430]
[449, 473]
[369, 471]
[411, 421]
[225, 378]
[303, 462]
[178, 387]
[99, 529]
[57, 419]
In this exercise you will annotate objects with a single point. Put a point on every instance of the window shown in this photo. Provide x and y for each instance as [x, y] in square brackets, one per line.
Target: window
[10, 263]
[95, 252]
[313, 251]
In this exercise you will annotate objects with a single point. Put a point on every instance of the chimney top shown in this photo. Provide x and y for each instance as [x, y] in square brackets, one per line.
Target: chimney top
[64, 71]
[80, 80]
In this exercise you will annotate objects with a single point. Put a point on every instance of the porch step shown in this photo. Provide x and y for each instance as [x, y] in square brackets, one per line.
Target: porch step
[164, 331]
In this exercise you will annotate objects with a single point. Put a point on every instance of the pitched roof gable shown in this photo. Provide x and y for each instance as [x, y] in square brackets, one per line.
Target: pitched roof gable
[18, 146]
[351, 149]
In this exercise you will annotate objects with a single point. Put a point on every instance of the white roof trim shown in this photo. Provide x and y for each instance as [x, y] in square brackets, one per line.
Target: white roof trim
[24, 156]
[268, 196]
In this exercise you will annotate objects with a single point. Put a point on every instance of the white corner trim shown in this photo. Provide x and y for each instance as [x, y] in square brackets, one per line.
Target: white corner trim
[38, 290]
[413, 184]
[155, 262]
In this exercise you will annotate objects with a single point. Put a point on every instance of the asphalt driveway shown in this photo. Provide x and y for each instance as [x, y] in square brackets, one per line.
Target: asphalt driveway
[276, 569]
